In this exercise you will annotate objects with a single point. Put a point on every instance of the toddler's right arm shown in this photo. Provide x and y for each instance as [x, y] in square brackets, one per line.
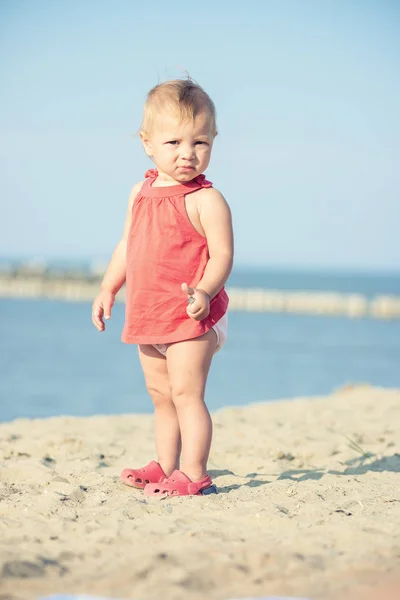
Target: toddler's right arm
[114, 277]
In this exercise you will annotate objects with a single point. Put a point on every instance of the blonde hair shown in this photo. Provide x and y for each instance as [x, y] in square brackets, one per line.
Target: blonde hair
[182, 96]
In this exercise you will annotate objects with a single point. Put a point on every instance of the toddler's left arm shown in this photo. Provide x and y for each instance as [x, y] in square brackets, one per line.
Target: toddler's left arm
[216, 220]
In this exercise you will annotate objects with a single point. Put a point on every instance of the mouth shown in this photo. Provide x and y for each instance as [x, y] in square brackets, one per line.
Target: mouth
[186, 169]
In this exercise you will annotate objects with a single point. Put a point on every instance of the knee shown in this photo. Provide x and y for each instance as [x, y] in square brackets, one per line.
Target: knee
[182, 397]
[159, 396]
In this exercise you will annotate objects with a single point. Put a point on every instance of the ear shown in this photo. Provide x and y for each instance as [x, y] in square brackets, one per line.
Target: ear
[146, 143]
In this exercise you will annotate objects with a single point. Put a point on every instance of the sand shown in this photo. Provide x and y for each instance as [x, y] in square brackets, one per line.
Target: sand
[308, 505]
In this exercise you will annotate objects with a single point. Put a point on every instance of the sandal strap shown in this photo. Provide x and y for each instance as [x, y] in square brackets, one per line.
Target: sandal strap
[178, 485]
[196, 486]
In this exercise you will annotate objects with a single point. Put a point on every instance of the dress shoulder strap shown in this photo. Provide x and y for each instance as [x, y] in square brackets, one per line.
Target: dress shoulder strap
[202, 181]
[151, 174]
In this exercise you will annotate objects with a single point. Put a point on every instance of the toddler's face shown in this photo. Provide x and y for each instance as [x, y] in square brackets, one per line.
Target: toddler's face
[181, 151]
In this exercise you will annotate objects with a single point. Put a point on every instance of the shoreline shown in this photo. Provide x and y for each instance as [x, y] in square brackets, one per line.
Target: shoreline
[352, 305]
[342, 389]
[308, 504]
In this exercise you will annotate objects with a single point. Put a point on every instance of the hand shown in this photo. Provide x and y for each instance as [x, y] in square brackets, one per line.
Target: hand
[199, 302]
[102, 309]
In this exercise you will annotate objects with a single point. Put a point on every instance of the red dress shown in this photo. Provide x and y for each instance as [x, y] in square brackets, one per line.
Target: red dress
[164, 251]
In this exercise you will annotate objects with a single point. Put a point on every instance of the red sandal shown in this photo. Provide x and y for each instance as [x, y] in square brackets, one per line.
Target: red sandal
[180, 485]
[139, 478]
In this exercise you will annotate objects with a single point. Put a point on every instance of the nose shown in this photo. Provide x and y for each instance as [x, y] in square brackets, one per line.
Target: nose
[187, 151]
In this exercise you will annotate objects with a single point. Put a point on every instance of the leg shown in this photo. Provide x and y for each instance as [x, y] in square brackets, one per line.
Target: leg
[166, 425]
[188, 366]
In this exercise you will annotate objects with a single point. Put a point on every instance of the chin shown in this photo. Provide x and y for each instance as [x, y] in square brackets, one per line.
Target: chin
[187, 176]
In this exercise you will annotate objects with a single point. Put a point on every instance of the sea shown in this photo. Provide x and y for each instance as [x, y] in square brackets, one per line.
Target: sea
[54, 362]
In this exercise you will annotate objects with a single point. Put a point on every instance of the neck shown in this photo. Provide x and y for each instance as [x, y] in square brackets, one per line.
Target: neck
[164, 179]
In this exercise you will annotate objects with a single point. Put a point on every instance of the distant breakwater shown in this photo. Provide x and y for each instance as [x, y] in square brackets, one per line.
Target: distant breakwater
[85, 288]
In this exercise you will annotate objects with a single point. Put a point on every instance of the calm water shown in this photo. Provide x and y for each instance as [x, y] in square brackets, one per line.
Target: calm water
[53, 361]
[346, 283]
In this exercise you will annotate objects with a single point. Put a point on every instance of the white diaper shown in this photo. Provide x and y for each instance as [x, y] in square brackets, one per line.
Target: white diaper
[220, 328]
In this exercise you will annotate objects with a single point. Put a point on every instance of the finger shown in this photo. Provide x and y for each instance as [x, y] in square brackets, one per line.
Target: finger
[196, 316]
[107, 311]
[187, 290]
[97, 317]
[195, 308]
[191, 315]
[98, 313]
[99, 326]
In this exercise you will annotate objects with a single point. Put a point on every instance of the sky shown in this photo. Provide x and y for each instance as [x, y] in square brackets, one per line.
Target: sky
[307, 96]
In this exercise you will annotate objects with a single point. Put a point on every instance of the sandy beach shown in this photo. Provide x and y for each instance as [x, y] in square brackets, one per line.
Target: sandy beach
[308, 505]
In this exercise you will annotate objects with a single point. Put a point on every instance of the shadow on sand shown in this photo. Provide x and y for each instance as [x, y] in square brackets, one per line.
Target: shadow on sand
[253, 483]
[355, 466]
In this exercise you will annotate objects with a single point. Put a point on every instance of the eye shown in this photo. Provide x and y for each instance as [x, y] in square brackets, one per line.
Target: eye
[201, 142]
[173, 142]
